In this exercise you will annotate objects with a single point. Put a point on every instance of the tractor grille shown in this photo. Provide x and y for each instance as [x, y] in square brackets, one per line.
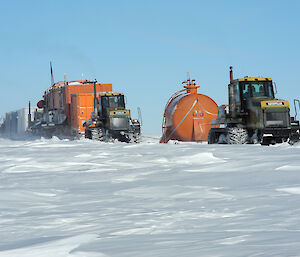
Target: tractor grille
[119, 123]
[276, 119]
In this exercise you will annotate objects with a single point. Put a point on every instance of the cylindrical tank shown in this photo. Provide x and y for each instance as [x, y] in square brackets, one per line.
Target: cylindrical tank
[188, 115]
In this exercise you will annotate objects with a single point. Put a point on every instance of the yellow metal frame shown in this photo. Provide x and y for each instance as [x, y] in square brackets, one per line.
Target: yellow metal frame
[110, 93]
[274, 103]
[253, 79]
[120, 112]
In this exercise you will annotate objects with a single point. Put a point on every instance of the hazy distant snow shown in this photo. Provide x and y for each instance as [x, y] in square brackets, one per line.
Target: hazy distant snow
[92, 199]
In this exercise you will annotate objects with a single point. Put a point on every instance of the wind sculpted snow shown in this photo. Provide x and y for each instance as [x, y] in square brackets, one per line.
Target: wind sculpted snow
[90, 199]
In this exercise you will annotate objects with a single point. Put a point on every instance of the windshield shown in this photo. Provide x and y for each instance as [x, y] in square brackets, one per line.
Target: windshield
[113, 101]
[257, 89]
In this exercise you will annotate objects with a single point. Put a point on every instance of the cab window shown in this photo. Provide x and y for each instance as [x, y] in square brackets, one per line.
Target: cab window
[270, 90]
[237, 93]
[258, 89]
[113, 101]
[246, 91]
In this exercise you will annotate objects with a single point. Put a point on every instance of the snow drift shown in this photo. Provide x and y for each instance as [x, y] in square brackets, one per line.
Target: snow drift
[84, 198]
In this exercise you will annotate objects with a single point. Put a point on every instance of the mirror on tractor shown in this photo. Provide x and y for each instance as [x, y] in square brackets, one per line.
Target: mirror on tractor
[275, 88]
[295, 105]
[140, 118]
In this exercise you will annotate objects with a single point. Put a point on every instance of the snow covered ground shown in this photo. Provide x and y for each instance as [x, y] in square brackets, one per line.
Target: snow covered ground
[61, 198]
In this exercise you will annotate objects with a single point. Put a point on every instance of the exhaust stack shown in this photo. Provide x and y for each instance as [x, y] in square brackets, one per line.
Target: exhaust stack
[231, 74]
[95, 97]
[29, 115]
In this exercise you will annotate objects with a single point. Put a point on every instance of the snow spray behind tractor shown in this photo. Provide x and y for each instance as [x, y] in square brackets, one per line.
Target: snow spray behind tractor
[188, 115]
[254, 115]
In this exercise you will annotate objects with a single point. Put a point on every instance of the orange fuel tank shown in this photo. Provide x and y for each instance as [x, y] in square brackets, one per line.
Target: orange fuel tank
[188, 115]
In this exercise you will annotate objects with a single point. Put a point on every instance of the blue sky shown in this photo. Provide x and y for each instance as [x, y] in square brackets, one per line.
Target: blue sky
[146, 48]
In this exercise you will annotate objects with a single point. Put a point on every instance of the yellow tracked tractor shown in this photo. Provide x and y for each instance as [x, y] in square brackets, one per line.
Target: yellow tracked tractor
[254, 115]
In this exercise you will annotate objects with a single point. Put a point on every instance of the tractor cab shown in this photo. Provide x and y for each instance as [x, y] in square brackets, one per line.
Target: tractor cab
[112, 111]
[256, 87]
[248, 91]
[112, 101]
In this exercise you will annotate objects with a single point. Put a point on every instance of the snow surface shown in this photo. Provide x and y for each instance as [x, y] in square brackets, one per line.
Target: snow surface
[61, 198]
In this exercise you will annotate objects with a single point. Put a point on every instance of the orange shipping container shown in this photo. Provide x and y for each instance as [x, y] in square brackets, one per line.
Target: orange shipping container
[77, 87]
[58, 97]
[81, 107]
[67, 105]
